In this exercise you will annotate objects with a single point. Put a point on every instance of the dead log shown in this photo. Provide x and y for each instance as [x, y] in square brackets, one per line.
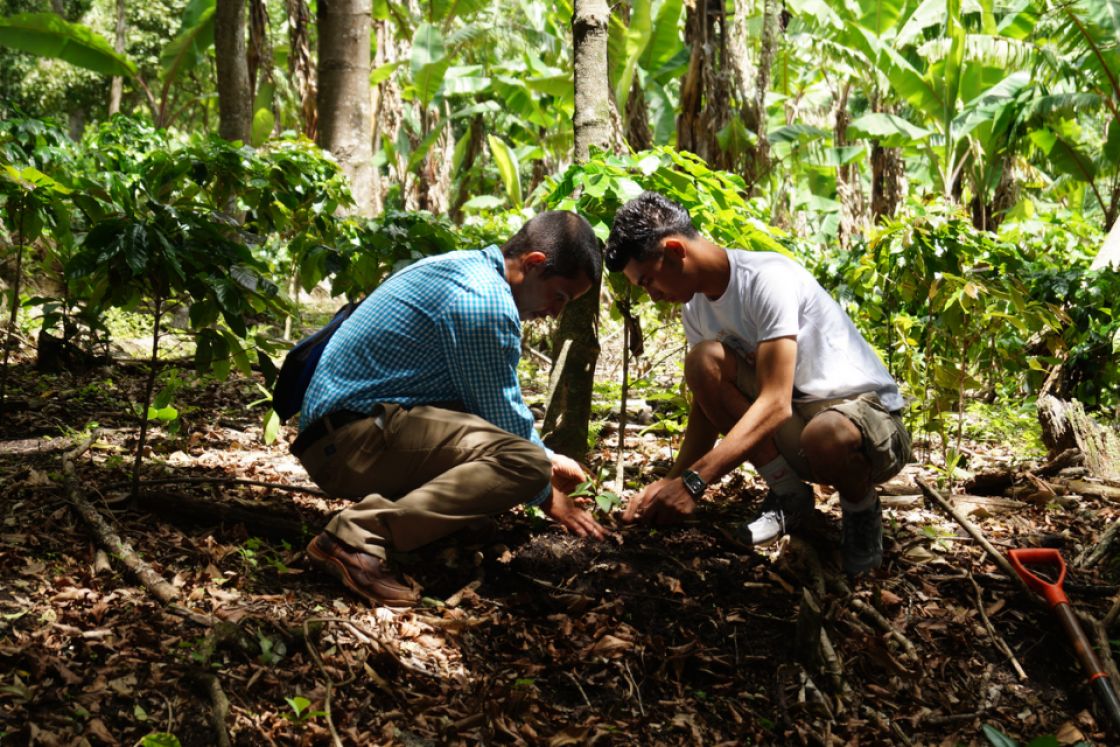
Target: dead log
[108, 538]
[1066, 425]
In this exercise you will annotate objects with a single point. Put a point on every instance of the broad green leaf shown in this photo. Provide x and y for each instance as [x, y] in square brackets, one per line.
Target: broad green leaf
[890, 129]
[188, 47]
[271, 427]
[482, 202]
[429, 62]
[466, 80]
[382, 73]
[48, 35]
[263, 123]
[508, 167]
[637, 37]
[159, 739]
[879, 16]
[665, 40]
[795, 133]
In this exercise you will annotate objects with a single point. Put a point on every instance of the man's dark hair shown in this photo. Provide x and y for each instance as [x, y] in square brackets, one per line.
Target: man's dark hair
[640, 224]
[565, 238]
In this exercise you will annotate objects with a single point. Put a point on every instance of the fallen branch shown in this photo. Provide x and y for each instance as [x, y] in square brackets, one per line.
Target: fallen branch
[841, 589]
[996, 637]
[219, 706]
[337, 741]
[977, 535]
[107, 537]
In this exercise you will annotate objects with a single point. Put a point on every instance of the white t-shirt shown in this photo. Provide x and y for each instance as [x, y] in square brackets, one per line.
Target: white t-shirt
[768, 296]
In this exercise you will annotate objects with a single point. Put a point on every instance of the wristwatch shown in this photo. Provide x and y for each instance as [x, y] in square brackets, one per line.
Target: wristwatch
[693, 483]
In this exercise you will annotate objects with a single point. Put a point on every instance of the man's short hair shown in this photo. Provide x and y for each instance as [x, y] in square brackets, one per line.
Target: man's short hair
[565, 238]
[640, 224]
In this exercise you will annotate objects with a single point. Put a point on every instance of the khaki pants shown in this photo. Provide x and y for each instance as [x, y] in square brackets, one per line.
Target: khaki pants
[420, 474]
[886, 442]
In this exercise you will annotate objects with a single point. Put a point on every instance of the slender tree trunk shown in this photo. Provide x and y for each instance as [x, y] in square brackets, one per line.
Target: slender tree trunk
[235, 99]
[345, 121]
[592, 120]
[116, 87]
[13, 317]
[772, 9]
[301, 66]
[388, 108]
[569, 411]
[259, 56]
[149, 388]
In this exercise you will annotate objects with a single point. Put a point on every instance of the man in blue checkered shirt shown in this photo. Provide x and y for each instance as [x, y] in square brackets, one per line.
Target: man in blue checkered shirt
[415, 411]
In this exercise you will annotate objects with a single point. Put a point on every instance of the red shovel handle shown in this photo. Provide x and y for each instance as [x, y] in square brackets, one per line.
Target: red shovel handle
[1041, 556]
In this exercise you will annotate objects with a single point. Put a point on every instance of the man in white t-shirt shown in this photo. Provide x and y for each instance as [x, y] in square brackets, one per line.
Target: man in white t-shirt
[778, 369]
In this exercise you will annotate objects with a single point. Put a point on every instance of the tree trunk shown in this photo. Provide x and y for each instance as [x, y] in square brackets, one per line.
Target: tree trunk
[345, 121]
[259, 57]
[235, 99]
[301, 66]
[848, 190]
[887, 173]
[592, 121]
[569, 411]
[116, 88]
[388, 108]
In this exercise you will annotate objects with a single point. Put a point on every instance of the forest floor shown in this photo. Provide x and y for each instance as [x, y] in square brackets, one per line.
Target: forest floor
[673, 636]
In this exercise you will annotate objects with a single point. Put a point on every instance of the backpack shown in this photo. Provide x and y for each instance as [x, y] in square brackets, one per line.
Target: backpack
[299, 365]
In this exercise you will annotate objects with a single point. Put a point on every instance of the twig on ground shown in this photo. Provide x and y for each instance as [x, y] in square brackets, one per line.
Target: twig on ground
[637, 691]
[835, 669]
[973, 530]
[330, 682]
[107, 537]
[996, 637]
[219, 706]
[841, 588]
[580, 688]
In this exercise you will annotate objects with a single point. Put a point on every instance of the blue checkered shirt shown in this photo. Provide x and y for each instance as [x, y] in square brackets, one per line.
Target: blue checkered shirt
[445, 329]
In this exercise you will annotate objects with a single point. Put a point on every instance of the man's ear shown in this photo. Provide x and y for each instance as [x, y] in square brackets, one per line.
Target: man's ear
[673, 245]
[532, 259]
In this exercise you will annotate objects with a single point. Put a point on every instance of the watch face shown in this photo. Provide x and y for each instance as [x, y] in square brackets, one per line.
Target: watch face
[694, 483]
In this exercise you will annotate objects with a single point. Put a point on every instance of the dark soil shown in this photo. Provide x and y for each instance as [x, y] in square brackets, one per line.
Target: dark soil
[667, 636]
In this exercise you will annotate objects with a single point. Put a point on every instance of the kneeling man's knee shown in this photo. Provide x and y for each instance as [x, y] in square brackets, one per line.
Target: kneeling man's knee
[831, 443]
[708, 363]
[530, 466]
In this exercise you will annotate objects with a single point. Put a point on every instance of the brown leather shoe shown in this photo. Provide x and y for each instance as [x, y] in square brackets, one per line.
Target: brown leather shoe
[362, 573]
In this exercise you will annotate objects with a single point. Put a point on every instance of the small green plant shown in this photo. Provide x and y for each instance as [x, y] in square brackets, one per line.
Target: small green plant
[605, 500]
[159, 739]
[300, 710]
[272, 650]
[998, 739]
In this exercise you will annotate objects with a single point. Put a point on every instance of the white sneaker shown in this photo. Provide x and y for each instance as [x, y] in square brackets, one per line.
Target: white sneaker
[777, 516]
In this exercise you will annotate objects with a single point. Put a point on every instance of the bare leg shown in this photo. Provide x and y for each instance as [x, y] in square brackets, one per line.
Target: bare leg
[711, 373]
[833, 446]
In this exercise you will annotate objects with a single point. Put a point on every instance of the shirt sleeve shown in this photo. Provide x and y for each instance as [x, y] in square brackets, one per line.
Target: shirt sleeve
[774, 303]
[481, 343]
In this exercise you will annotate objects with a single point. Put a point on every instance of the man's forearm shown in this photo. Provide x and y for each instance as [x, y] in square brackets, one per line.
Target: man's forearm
[758, 423]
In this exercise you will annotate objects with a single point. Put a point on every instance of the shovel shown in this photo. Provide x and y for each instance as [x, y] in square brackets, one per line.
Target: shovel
[1059, 603]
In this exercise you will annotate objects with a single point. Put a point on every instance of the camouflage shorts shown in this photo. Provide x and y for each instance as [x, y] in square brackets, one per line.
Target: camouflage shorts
[886, 442]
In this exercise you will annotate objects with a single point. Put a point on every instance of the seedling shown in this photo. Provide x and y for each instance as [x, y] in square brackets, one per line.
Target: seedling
[300, 713]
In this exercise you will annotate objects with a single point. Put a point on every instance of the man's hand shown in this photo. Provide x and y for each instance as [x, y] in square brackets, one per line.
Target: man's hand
[566, 473]
[663, 502]
[563, 510]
